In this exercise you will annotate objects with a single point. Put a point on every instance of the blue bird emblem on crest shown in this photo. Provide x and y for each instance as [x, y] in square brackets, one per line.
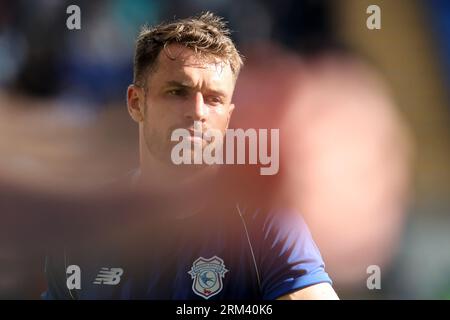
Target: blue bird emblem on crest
[207, 275]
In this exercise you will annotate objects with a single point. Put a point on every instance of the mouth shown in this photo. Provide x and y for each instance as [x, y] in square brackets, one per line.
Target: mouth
[196, 136]
[195, 132]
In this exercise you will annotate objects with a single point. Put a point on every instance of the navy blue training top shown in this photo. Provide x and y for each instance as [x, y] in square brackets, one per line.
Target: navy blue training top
[235, 252]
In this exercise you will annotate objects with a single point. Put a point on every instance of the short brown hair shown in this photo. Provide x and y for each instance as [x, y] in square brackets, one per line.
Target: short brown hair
[206, 34]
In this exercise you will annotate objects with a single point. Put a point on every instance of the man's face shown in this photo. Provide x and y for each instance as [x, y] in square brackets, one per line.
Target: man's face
[183, 88]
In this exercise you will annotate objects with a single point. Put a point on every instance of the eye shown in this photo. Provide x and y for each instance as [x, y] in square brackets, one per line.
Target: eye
[178, 92]
[214, 100]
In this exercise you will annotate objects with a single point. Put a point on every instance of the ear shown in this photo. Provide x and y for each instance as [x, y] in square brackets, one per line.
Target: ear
[135, 103]
[230, 112]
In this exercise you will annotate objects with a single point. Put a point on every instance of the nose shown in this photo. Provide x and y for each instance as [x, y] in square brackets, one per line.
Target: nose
[198, 111]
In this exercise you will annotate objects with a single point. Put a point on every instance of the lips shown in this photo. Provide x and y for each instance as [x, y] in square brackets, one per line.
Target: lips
[195, 133]
[196, 136]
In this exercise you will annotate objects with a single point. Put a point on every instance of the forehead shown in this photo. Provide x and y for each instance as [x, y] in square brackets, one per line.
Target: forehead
[176, 62]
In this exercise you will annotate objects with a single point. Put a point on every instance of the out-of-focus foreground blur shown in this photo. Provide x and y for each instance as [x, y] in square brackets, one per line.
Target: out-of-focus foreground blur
[364, 119]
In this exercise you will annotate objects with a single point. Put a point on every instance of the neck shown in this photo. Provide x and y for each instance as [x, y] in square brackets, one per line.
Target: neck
[188, 189]
[163, 177]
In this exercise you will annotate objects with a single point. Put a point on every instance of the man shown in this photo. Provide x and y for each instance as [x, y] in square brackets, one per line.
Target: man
[194, 242]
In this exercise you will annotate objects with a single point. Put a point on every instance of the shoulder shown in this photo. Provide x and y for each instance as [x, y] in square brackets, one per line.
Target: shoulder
[285, 254]
[279, 219]
[279, 233]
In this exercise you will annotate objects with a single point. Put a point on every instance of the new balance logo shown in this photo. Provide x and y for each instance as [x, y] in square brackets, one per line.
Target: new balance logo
[109, 276]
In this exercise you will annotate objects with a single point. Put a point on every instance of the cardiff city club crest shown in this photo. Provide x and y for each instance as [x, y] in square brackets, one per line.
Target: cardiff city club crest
[207, 275]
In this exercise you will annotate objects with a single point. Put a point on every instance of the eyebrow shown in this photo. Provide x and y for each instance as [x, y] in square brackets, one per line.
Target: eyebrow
[173, 83]
[187, 85]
